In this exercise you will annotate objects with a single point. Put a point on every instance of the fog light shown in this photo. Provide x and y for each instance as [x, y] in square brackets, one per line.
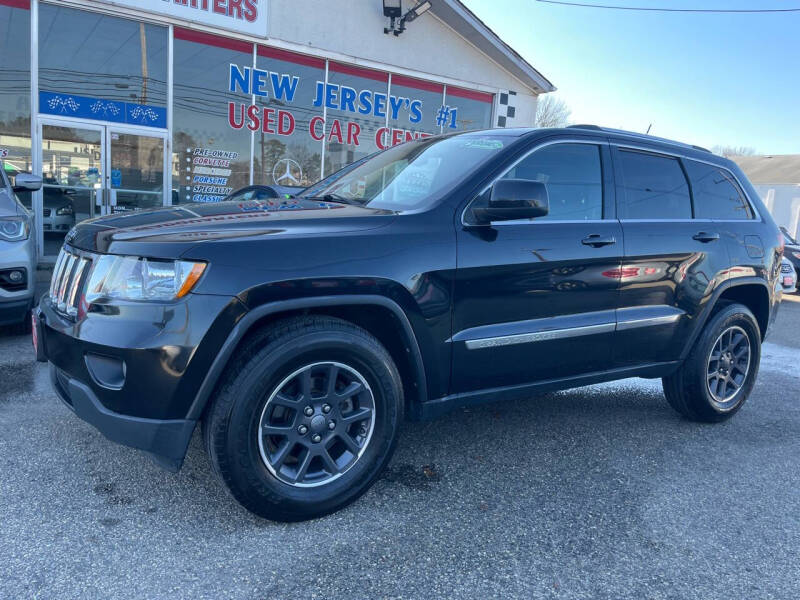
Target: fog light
[16, 276]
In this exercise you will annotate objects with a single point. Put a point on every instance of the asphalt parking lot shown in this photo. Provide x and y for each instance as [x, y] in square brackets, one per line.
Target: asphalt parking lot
[601, 492]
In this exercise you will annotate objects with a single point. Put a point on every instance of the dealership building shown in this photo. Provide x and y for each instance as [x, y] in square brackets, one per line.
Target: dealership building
[129, 104]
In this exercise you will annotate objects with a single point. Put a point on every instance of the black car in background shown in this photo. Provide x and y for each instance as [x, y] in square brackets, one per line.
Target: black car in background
[440, 273]
[58, 210]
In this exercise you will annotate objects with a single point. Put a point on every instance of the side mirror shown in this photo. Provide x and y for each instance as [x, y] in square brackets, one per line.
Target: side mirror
[512, 199]
[25, 182]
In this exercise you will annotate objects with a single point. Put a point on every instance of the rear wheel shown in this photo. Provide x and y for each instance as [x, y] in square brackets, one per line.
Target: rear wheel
[306, 418]
[718, 375]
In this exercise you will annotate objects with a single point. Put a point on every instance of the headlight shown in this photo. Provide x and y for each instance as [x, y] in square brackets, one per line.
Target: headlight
[14, 229]
[134, 278]
[796, 254]
[64, 211]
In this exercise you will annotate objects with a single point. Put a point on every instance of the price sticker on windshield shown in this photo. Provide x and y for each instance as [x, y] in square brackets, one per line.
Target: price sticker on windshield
[484, 144]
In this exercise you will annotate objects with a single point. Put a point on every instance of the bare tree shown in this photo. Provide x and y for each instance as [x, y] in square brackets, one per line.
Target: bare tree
[552, 112]
[727, 151]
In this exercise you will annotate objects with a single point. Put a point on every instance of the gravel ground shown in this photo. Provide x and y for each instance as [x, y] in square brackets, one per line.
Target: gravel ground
[600, 492]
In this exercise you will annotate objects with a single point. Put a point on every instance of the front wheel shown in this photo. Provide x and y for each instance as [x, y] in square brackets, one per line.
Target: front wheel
[306, 418]
[720, 371]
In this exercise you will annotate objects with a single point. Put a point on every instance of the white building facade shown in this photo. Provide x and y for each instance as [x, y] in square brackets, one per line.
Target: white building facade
[777, 180]
[128, 104]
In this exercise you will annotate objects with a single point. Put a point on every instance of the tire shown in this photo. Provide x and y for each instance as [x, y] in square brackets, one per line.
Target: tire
[689, 389]
[263, 391]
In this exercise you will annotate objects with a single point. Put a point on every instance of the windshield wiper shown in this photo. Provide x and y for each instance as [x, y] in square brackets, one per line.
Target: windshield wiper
[334, 198]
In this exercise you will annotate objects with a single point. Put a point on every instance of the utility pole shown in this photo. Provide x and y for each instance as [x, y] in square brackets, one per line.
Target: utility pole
[145, 75]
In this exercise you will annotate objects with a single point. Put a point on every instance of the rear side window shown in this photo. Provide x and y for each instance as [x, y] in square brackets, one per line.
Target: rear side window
[716, 193]
[574, 178]
[653, 187]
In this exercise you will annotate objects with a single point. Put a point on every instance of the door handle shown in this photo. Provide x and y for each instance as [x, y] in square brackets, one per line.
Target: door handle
[706, 236]
[596, 240]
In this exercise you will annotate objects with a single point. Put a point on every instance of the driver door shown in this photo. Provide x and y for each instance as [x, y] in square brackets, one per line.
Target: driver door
[535, 300]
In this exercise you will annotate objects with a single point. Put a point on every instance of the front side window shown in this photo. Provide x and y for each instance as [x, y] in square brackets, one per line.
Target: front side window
[413, 175]
[716, 194]
[574, 178]
[653, 187]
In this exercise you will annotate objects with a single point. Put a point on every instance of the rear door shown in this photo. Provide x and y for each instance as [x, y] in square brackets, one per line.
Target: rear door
[535, 299]
[674, 258]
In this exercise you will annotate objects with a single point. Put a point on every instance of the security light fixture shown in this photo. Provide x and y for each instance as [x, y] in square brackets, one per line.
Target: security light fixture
[418, 9]
[392, 9]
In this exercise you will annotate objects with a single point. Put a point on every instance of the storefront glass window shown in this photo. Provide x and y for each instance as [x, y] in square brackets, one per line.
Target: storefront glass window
[466, 110]
[357, 103]
[211, 139]
[15, 89]
[414, 108]
[288, 139]
[100, 67]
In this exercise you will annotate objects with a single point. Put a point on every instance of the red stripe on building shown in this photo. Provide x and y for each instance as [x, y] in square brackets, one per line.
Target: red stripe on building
[285, 55]
[470, 94]
[419, 84]
[189, 35]
[23, 4]
[358, 71]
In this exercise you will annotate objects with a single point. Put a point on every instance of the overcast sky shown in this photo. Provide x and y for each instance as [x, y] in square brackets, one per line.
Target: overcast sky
[707, 79]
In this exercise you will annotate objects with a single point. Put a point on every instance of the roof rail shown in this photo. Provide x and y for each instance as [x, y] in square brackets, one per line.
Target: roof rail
[579, 126]
[644, 136]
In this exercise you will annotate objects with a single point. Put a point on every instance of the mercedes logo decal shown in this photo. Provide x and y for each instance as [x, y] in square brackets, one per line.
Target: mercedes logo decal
[287, 172]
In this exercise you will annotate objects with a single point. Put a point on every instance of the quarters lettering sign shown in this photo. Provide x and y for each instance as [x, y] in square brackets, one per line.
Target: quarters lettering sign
[243, 16]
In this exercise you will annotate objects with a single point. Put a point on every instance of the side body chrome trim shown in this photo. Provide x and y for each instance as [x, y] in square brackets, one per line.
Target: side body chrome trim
[524, 338]
[547, 329]
[647, 316]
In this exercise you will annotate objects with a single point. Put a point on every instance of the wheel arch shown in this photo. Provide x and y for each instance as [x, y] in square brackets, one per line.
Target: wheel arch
[752, 292]
[379, 315]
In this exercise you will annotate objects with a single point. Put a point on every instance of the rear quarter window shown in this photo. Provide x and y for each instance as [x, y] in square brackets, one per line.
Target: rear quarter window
[716, 193]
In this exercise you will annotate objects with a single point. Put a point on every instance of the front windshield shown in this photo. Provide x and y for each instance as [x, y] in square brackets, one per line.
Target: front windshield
[412, 175]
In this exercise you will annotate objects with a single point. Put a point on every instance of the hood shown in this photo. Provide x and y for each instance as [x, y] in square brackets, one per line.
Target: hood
[169, 232]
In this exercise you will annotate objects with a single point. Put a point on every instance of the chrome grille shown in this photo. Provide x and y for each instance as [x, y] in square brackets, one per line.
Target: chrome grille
[46, 212]
[786, 268]
[69, 276]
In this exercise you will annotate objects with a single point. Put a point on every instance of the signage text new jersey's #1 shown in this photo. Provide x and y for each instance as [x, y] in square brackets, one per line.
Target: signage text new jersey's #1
[281, 86]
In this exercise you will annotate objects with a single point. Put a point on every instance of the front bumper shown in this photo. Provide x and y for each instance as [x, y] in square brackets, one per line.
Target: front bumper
[133, 370]
[165, 439]
[14, 312]
[16, 304]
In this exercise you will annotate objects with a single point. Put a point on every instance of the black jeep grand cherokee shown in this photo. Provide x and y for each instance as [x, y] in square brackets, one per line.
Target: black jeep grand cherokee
[442, 272]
